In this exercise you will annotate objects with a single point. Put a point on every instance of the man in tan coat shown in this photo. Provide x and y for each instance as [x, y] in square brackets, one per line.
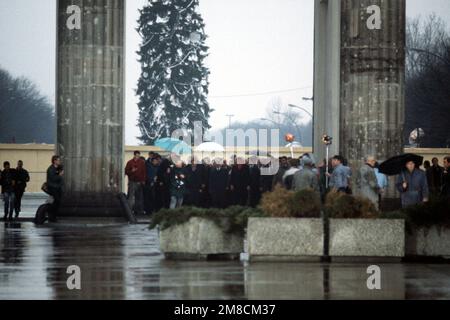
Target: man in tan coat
[366, 184]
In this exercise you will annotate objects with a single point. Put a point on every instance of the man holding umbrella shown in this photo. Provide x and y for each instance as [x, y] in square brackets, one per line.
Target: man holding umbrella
[411, 181]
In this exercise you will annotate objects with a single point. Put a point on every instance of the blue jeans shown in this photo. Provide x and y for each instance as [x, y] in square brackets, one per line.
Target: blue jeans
[176, 202]
[9, 199]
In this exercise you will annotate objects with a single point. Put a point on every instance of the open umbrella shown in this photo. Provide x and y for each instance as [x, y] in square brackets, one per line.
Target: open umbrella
[210, 147]
[174, 146]
[395, 165]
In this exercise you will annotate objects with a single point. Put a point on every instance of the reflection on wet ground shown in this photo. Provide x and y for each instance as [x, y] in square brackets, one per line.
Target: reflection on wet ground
[123, 262]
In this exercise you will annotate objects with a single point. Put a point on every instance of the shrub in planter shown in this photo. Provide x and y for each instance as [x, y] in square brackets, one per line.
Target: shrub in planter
[436, 212]
[282, 203]
[230, 220]
[276, 203]
[344, 206]
[306, 204]
[428, 226]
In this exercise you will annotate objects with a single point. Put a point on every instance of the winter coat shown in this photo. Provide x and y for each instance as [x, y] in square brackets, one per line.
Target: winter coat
[22, 178]
[218, 180]
[305, 179]
[54, 180]
[8, 180]
[177, 182]
[140, 175]
[151, 172]
[417, 189]
[340, 177]
[240, 178]
[445, 190]
[366, 184]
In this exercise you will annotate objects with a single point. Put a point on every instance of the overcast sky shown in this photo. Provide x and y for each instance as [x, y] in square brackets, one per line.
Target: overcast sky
[259, 50]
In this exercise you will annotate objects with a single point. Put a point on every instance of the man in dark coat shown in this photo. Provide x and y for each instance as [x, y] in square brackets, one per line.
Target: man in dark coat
[177, 185]
[434, 177]
[413, 186]
[55, 184]
[205, 199]
[152, 165]
[218, 185]
[195, 183]
[278, 177]
[8, 181]
[445, 191]
[255, 186]
[267, 175]
[163, 184]
[240, 183]
[23, 178]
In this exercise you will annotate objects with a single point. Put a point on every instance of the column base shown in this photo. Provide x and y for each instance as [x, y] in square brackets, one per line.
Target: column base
[94, 205]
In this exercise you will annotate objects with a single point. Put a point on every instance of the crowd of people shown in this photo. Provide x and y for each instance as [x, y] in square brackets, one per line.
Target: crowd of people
[167, 182]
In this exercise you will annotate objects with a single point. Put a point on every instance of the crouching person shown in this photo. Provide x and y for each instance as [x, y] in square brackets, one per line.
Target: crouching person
[55, 183]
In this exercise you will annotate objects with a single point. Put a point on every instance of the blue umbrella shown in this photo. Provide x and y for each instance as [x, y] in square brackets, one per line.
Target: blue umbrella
[173, 145]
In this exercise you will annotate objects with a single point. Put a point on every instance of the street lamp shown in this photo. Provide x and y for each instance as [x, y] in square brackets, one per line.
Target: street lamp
[301, 108]
[445, 60]
[264, 119]
[230, 117]
[292, 120]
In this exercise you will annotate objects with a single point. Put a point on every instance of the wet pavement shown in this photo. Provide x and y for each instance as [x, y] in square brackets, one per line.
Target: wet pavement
[123, 262]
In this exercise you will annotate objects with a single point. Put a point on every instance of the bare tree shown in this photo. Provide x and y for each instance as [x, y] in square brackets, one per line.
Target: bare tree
[26, 116]
[428, 80]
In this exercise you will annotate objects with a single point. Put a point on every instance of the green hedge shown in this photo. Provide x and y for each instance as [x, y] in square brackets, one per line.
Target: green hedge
[436, 212]
[231, 220]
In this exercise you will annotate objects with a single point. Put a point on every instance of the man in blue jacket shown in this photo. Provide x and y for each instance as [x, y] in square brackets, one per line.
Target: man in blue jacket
[413, 186]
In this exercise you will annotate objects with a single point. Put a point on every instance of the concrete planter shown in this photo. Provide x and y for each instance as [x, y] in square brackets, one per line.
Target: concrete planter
[429, 242]
[290, 239]
[200, 239]
[367, 238]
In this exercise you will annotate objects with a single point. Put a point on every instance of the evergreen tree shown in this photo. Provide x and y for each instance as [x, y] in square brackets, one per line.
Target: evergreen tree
[173, 86]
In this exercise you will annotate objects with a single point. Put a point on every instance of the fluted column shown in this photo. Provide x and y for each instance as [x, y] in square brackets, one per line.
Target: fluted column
[372, 80]
[90, 103]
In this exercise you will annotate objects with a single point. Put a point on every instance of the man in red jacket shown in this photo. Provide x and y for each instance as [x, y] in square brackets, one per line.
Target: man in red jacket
[137, 175]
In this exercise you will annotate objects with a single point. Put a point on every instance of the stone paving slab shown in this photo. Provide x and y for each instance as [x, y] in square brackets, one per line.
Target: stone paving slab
[124, 262]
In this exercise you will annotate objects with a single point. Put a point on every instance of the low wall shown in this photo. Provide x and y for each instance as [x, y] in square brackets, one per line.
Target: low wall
[36, 157]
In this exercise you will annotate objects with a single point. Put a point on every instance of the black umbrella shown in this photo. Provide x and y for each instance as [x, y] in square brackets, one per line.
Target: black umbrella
[396, 165]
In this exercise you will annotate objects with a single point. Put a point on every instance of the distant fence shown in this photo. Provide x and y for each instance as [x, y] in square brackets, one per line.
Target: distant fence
[37, 157]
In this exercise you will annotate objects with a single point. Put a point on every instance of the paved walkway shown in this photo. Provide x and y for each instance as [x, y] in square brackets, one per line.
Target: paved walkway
[123, 262]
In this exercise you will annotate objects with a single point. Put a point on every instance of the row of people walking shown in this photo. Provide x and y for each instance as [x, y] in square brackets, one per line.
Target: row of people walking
[13, 183]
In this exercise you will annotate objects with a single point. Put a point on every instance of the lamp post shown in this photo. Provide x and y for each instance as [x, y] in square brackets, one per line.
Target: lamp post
[230, 117]
[275, 123]
[445, 60]
[327, 140]
[301, 108]
[291, 119]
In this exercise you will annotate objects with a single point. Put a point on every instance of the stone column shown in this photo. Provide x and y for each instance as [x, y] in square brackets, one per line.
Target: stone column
[372, 79]
[90, 104]
[327, 23]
